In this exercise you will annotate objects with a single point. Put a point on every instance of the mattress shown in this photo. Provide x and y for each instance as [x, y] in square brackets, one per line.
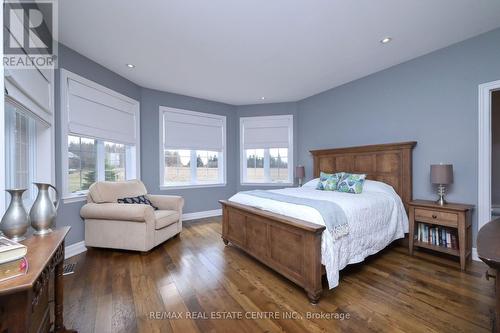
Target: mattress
[376, 217]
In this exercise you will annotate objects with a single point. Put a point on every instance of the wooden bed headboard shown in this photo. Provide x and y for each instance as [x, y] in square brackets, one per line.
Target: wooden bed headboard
[390, 163]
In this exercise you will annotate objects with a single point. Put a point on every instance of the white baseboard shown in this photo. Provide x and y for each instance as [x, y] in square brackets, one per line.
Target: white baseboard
[74, 249]
[201, 215]
[474, 254]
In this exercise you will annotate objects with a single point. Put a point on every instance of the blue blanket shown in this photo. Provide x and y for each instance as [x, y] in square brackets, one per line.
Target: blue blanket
[333, 215]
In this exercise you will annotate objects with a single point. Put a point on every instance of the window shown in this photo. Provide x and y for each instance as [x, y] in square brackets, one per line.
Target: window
[82, 161]
[255, 165]
[20, 146]
[207, 166]
[278, 164]
[100, 129]
[193, 148]
[115, 161]
[177, 166]
[25, 149]
[85, 162]
[266, 149]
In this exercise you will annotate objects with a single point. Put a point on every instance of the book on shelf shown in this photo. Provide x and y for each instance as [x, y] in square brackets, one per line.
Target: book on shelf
[13, 268]
[10, 250]
[437, 235]
[454, 243]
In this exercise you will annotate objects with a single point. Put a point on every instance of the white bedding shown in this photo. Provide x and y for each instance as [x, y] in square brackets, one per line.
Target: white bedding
[376, 217]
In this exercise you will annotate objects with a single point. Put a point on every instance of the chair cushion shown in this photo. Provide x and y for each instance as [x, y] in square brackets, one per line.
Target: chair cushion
[164, 218]
[101, 192]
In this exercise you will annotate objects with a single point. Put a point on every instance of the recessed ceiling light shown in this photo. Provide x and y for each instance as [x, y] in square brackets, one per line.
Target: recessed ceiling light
[386, 40]
[130, 66]
[262, 98]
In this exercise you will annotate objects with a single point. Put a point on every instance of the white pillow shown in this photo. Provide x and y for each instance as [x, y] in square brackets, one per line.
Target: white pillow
[312, 183]
[376, 186]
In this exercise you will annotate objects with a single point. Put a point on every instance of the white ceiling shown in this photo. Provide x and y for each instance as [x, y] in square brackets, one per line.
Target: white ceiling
[236, 51]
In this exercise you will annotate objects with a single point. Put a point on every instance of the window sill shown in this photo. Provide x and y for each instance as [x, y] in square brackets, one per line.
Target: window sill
[182, 187]
[74, 198]
[267, 184]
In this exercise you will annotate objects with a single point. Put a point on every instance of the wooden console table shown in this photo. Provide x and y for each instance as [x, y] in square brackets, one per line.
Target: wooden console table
[24, 300]
[488, 250]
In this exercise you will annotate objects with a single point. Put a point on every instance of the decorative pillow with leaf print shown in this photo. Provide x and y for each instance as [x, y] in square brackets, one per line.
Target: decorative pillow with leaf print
[351, 183]
[329, 181]
[323, 176]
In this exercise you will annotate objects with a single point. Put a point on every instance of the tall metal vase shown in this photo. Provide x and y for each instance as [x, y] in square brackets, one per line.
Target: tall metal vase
[43, 212]
[15, 221]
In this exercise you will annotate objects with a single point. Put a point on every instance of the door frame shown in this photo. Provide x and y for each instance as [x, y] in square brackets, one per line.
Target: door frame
[2, 131]
[484, 152]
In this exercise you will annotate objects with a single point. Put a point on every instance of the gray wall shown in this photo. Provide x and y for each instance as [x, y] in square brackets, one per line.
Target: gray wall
[69, 214]
[432, 99]
[196, 199]
[258, 110]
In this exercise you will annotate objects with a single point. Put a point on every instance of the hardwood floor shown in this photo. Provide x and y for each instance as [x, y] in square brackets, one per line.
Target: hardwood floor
[120, 291]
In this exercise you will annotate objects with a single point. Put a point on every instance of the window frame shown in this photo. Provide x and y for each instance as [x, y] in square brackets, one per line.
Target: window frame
[222, 159]
[243, 159]
[134, 170]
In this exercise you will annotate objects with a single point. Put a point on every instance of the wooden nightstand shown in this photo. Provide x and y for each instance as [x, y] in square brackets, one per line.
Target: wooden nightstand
[446, 229]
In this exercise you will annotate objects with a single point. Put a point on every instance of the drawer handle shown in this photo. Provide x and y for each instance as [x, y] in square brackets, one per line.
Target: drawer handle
[434, 216]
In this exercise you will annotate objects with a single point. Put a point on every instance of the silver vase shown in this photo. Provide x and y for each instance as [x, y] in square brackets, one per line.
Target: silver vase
[43, 212]
[15, 221]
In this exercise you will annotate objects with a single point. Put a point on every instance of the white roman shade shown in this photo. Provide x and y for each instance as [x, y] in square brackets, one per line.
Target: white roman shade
[33, 94]
[192, 130]
[266, 132]
[95, 111]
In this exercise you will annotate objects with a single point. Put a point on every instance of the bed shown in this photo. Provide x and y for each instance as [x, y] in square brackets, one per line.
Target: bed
[293, 240]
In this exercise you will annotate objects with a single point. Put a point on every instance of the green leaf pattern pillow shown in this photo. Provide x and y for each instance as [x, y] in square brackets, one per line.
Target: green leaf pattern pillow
[351, 183]
[329, 181]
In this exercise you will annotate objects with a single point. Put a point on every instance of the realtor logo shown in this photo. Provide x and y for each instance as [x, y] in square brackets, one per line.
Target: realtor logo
[30, 30]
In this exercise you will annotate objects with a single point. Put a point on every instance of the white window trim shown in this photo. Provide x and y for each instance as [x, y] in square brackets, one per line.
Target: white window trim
[161, 145]
[64, 76]
[290, 153]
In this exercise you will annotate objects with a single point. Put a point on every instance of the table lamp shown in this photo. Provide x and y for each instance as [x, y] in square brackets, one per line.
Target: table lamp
[300, 173]
[441, 175]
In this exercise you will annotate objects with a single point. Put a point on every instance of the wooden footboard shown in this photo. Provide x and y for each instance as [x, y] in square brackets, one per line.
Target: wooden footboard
[291, 247]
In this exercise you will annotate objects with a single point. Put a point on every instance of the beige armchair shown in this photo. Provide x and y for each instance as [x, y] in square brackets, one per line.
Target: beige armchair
[129, 226]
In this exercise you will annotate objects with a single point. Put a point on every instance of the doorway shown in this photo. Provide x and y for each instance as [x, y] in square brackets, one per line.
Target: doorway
[489, 152]
[495, 154]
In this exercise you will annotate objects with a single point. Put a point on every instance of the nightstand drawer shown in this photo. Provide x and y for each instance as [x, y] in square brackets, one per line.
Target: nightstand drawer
[432, 216]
